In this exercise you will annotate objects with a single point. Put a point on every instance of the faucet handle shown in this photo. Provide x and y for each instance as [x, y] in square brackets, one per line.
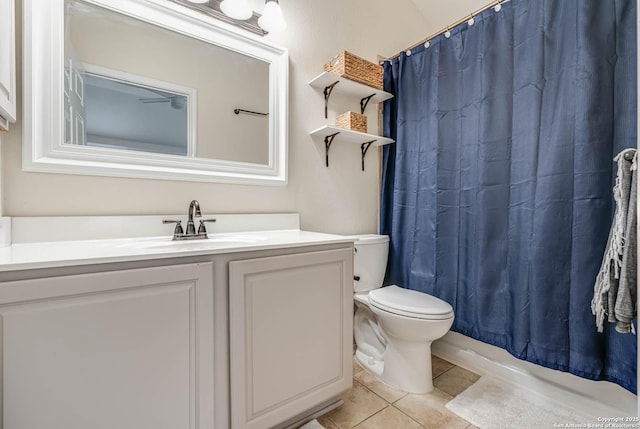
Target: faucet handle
[178, 229]
[201, 228]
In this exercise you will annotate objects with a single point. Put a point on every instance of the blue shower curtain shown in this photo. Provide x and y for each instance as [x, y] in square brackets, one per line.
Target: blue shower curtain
[497, 193]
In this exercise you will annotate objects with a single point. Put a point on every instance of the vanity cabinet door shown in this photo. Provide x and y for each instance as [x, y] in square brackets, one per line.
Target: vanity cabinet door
[124, 349]
[290, 335]
[7, 64]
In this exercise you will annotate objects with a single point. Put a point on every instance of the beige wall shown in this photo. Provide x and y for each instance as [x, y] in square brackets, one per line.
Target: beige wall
[339, 199]
[439, 14]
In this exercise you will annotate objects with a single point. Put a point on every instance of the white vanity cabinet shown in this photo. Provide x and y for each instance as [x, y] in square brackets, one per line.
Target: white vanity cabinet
[119, 349]
[257, 337]
[290, 320]
[7, 64]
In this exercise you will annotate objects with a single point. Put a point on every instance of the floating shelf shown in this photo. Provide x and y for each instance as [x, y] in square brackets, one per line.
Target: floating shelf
[330, 81]
[329, 134]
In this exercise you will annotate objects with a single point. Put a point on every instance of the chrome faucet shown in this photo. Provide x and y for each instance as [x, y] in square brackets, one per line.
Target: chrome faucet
[194, 211]
[190, 234]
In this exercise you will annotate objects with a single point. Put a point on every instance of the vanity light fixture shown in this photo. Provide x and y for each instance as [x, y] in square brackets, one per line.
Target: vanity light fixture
[214, 9]
[272, 19]
[236, 9]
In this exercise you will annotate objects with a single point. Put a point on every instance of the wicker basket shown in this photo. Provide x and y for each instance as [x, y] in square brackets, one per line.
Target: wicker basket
[352, 121]
[352, 67]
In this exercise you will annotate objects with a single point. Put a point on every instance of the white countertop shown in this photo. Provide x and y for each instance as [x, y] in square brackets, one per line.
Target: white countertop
[27, 256]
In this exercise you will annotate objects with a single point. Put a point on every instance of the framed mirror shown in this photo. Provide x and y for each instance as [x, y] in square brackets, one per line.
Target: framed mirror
[151, 89]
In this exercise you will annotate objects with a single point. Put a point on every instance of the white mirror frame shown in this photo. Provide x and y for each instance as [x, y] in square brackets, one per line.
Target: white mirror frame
[43, 99]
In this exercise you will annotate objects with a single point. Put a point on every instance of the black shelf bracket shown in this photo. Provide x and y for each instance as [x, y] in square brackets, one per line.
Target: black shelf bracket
[327, 144]
[327, 94]
[364, 147]
[364, 101]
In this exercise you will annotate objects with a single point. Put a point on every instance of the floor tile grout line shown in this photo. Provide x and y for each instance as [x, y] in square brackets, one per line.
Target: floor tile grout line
[394, 407]
[371, 416]
[444, 372]
[403, 396]
[367, 418]
[370, 390]
[411, 418]
[393, 403]
[380, 396]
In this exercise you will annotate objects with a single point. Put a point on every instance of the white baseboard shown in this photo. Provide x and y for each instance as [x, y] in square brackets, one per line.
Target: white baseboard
[591, 398]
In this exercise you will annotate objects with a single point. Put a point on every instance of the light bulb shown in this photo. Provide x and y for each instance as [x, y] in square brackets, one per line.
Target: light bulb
[272, 19]
[236, 9]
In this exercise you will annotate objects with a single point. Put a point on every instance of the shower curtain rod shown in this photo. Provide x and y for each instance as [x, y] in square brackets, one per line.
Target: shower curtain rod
[449, 27]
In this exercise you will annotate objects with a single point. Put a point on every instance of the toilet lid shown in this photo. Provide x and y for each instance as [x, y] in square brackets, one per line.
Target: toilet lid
[410, 303]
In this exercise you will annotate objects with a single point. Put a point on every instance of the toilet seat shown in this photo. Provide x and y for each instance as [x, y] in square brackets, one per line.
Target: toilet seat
[410, 303]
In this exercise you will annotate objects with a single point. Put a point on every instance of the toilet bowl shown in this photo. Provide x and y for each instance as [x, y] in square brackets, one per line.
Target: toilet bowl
[394, 327]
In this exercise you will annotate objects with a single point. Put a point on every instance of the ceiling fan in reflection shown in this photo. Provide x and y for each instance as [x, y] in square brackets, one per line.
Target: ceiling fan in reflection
[178, 102]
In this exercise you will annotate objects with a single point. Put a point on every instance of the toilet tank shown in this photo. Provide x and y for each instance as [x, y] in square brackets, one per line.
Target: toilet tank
[369, 261]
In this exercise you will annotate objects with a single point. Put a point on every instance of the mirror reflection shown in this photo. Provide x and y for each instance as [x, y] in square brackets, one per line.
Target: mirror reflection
[131, 85]
[121, 114]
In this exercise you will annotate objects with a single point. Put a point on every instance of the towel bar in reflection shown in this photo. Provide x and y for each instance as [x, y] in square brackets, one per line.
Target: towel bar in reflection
[249, 112]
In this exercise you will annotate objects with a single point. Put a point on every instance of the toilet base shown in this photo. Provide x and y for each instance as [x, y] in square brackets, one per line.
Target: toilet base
[406, 366]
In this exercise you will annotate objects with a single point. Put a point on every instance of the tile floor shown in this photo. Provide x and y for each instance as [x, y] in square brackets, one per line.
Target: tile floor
[371, 404]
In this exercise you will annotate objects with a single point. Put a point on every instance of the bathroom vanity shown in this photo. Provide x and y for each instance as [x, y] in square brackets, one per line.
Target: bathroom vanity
[248, 329]
[105, 322]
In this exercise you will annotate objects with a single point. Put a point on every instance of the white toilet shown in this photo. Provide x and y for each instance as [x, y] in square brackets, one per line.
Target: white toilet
[394, 327]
